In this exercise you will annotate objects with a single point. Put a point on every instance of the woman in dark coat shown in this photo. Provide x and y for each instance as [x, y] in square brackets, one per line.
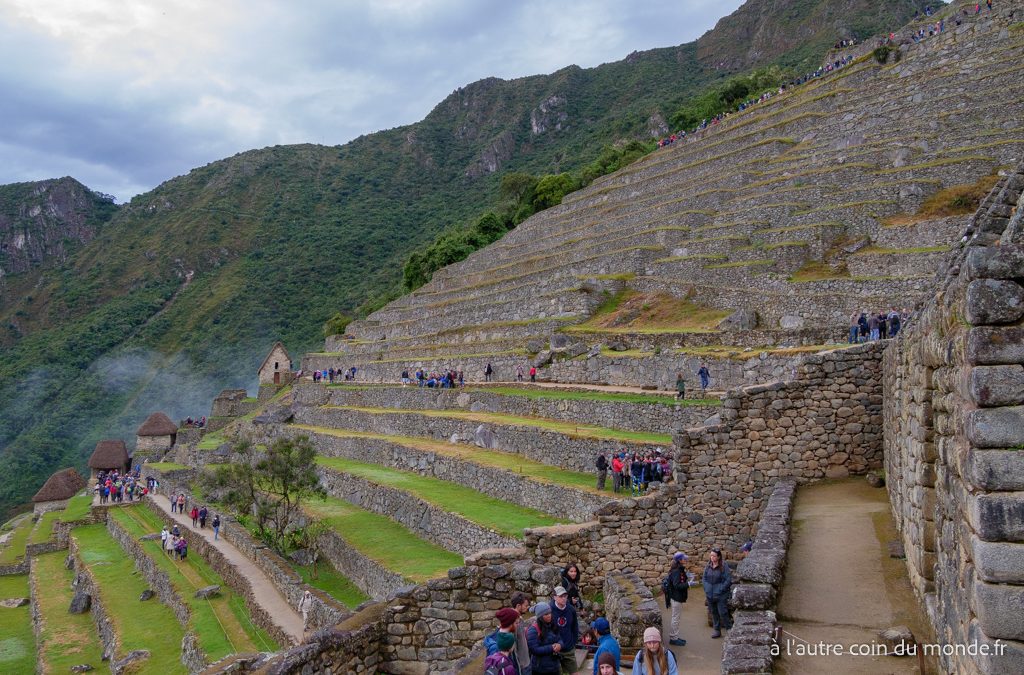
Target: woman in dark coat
[571, 580]
[717, 580]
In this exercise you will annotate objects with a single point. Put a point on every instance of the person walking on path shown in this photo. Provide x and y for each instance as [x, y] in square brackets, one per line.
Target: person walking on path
[563, 616]
[654, 659]
[181, 502]
[717, 580]
[677, 589]
[545, 644]
[164, 535]
[705, 379]
[533, 373]
[602, 470]
[680, 387]
[203, 513]
[216, 527]
[194, 515]
[606, 644]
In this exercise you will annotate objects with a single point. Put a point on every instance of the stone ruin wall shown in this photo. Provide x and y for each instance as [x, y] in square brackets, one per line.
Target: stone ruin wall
[954, 433]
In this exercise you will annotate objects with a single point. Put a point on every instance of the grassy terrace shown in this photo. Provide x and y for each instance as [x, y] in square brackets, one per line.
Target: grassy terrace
[149, 625]
[567, 428]
[17, 643]
[385, 541]
[66, 640]
[14, 549]
[77, 509]
[589, 395]
[495, 514]
[332, 582]
[166, 466]
[506, 461]
[222, 624]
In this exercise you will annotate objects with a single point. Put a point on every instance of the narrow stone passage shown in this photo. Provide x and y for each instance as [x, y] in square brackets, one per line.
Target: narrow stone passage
[841, 586]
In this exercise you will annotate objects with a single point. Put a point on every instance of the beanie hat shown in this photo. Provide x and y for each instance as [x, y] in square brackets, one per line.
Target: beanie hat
[506, 616]
[601, 625]
[606, 659]
[681, 556]
[652, 634]
[506, 641]
[541, 609]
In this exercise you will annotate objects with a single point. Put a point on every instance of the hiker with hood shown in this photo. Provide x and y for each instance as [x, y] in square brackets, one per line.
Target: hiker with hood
[566, 622]
[508, 622]
[717, 580]
[677, 589]
[571, 579]
[544, 641]
[606, 644]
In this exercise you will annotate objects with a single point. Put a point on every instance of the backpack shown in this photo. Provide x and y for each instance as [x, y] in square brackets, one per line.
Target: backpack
[602, 463]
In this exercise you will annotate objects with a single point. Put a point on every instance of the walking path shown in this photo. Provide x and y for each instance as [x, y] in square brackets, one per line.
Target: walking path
[263, 590]
[841, 586]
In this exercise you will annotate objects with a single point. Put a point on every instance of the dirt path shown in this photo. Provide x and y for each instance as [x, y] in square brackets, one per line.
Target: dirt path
[841, 586]
[266, 594]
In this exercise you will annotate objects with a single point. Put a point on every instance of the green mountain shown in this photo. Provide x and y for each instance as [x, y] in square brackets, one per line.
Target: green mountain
[180, 293]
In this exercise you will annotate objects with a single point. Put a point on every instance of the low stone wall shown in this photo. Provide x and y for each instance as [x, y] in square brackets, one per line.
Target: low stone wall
[954, 426]
[576, 453]
[448, 530]
[630, 608]
[651, 417]
[85, 582]
[756, 586]
[547, 497]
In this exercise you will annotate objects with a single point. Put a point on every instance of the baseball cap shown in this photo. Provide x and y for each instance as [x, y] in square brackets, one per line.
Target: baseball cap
[560, 591]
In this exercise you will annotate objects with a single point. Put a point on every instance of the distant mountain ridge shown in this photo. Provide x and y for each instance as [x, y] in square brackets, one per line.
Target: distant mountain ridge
[179, 293]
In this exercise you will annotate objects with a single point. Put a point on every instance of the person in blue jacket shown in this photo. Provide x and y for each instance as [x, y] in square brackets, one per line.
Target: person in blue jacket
[717, 580]
[545, 643]
[606, 644]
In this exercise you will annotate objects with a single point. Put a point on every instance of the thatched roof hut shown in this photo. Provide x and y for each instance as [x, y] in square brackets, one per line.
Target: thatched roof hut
[157, 424]
[62, 485]
[109, 454]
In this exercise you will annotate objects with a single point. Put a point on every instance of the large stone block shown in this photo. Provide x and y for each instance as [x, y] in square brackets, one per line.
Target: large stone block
[996, 469]
[998, 516]
[995, 346]
[997, 385]
[1000, 609]
[1005, 657]
[1003, 262]
[994, 301]
[996, 427]
[998, 562]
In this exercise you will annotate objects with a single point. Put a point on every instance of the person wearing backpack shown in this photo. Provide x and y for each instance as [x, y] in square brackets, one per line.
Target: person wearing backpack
[545, 642]
[676, 588]
[602, 470]
[508, 622]
[654, 659]
[500, 662]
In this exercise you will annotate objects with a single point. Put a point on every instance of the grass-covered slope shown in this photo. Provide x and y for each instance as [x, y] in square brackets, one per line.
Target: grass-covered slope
[180, 294]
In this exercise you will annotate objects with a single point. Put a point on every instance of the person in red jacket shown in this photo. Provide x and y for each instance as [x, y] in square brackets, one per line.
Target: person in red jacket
[616, 473]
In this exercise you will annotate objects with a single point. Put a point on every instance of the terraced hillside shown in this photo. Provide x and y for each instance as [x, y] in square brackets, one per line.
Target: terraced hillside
[838, 195]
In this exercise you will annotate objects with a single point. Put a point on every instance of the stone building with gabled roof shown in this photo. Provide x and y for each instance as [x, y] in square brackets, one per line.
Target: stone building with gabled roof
[109, 455]
[155, 437]
[57, 490]
[276, 369]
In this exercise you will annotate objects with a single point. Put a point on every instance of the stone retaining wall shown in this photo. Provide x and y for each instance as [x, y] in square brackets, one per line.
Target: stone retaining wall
[954, 426]
[369, 575]
[756, 586]
[85, 582]
[448, 530]
[508, 485]
[576, 453]
[630, 608]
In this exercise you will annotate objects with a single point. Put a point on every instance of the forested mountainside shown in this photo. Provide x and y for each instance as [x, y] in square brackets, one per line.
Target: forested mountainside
[182, 291]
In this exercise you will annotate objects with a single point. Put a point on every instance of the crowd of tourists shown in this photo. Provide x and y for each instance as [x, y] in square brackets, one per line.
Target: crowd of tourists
[633, 472]
[194, 423]
[866, 326]
[331, 374]
[198, 513]
[117, 487]
[543, 639]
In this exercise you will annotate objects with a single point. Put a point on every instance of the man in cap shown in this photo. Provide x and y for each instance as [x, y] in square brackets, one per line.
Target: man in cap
[508, 621]
[677, 588]
[606, 644]
[563, 616]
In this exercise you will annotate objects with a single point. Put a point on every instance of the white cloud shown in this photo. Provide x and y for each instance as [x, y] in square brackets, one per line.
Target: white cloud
[124, 95]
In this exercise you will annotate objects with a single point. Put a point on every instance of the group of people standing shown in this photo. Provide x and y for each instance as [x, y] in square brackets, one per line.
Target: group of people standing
[703, 374]
[870, 326]
[116, 487]
[633, 472]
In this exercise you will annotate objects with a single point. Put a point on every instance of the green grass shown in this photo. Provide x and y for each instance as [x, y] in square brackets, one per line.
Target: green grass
[166, 466]
[211, 441]
[764, 262]
[66, 639]
[14, 550]
[695, 256]
[43, 530]
[587, 395]
[332, 582]
[149, 625]
[385, 541]
[567, 428]
[17, 642]
[878, 250]
[495, 514]
[506, 461]
[78, 508]
[222, 624]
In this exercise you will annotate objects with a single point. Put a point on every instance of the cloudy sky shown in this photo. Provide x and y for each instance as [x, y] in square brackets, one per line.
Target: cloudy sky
[124, 94]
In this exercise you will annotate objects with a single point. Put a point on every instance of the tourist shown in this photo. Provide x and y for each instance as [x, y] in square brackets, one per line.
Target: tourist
[873, 327]
[519, 373]
[854, 328]
[169, 544]
[164, 534]
[654, 659]
[544, 642]
[717, 580]
[705, 379]
[508, 623]
[216, 527]
[602, 470]
[405, 377]
[636, 472]
[571, 583]
[194, 515]
[488, 373]
[203, 513]
[894, 322]
[680, 387]
[563, 616]
[616, 472]
[501, 662]
[533, 373]
[181, 547]
[181, 503]
[521, 604]
[605, 665]
[677, 589]
[606, 644]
